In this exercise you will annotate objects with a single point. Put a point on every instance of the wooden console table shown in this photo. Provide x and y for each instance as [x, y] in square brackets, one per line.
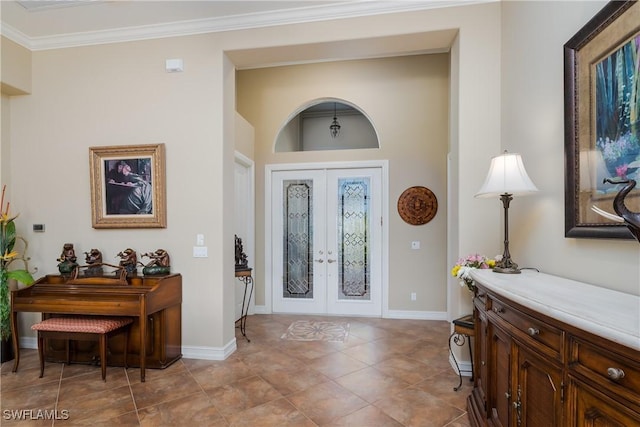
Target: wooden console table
[554, 352]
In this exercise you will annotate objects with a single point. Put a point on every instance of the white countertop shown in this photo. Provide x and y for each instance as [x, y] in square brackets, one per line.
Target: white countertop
[609, 314]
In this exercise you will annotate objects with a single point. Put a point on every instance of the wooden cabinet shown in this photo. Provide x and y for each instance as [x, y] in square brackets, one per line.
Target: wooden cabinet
[535, 370]
[481, 357]
[499, 368]
[537, 394]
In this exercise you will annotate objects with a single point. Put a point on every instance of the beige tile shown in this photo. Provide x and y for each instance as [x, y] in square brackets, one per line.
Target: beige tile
[405, 369]
[152, 374]
[278, 413]
[78, 386]
[242, 395]
[161, 389]
[326, 402]
[335, 365]
[39, 396]
[97, 407]
[194, 409]
[371, 384]
[400, 365]
[442, 384]
[461, 421]
[289, 382]
[371, 352]
[367, 416]
[413, 407]
[272, 360]
[214, 374]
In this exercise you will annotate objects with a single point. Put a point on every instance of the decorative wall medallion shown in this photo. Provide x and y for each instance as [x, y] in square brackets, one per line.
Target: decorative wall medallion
[417, 205]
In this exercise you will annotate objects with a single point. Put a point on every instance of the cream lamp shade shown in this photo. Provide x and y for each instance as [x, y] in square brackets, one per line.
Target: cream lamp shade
[507, 175]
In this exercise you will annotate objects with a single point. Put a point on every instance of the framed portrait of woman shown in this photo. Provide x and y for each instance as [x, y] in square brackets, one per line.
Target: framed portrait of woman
[128, 186]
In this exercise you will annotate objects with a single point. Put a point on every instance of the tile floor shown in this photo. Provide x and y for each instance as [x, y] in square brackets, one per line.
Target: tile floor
[389, 373]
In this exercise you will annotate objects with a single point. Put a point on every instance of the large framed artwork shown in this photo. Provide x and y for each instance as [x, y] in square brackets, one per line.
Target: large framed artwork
[128, 186]
[602, 119]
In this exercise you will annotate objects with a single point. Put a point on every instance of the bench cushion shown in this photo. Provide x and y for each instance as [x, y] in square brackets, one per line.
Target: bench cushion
[91, 325]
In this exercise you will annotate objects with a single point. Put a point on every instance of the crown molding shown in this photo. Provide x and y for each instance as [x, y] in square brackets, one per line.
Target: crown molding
[228, 23]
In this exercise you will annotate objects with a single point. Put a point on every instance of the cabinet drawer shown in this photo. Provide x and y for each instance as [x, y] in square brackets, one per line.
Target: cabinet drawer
[615, 372]
[549, 336]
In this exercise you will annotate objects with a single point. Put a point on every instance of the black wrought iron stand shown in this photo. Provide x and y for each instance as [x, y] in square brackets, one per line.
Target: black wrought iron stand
[463, 330]
[245, 277]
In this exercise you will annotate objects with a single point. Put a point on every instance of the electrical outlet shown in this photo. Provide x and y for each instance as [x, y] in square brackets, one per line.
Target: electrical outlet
[413, 296]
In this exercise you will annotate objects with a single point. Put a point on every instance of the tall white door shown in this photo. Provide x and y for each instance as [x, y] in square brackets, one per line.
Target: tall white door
[326, 246]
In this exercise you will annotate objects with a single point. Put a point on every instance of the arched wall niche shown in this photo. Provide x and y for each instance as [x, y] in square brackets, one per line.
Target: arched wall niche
[308, 128]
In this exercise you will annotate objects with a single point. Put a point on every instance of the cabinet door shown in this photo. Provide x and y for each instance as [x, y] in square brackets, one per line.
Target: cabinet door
[499, 394]
[480, 362]
[537, 397]
[590, 408]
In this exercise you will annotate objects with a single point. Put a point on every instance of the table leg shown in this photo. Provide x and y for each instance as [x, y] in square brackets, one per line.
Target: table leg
[248, 286]
[454, 336]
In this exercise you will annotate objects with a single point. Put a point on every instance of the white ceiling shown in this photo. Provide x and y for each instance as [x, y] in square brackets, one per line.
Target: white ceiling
[40, 25]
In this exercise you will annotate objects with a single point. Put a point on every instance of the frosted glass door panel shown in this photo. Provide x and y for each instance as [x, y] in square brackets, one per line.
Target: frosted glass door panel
[326, 242]
[299, 278]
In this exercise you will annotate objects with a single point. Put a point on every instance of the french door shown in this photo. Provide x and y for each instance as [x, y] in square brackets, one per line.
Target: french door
[326, 241]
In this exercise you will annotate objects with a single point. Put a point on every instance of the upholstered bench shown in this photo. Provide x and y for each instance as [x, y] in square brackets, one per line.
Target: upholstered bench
[82, 328]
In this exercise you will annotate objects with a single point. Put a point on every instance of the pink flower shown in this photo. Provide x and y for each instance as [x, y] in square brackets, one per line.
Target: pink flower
[621, 171]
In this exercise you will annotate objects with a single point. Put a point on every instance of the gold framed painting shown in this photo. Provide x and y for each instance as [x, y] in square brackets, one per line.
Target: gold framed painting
[128, 186]
[602, 121]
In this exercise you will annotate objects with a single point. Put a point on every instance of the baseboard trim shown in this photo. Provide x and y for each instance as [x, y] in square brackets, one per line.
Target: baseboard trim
[389, 314]
[419, 315]
[465, 366]
[188, 351]
[209, 353]
[29, 342]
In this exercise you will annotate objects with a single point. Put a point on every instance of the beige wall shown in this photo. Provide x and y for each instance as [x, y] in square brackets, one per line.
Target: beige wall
[121, 94]
[15, 68]
[533, 125]
[406, 99]
[117, 95]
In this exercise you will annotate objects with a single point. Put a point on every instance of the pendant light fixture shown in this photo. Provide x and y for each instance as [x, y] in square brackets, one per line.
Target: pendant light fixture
[335, 126]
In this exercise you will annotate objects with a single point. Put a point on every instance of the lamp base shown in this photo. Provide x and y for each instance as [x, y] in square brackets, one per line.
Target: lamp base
[507, 270]
[505, 265]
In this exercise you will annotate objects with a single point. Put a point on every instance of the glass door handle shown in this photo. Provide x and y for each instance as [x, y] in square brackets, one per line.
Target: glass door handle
[331, 261]
[319, 260]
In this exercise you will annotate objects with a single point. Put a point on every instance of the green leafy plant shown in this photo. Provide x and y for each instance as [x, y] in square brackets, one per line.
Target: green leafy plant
[8, 256]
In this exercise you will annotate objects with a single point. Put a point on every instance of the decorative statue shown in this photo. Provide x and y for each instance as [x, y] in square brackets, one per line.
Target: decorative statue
[129, 260]
[241, 257]
[93, 259]
[631, 219]
[159, 264]
[67, 260]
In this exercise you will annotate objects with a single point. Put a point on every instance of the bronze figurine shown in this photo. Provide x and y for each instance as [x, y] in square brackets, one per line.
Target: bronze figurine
[93, 259]
[159, 264]
[129, 260]
[241, 257]
[67, 260]
[631, 219]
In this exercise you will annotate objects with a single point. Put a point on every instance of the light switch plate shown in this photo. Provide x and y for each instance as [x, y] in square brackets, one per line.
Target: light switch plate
[415, 244]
